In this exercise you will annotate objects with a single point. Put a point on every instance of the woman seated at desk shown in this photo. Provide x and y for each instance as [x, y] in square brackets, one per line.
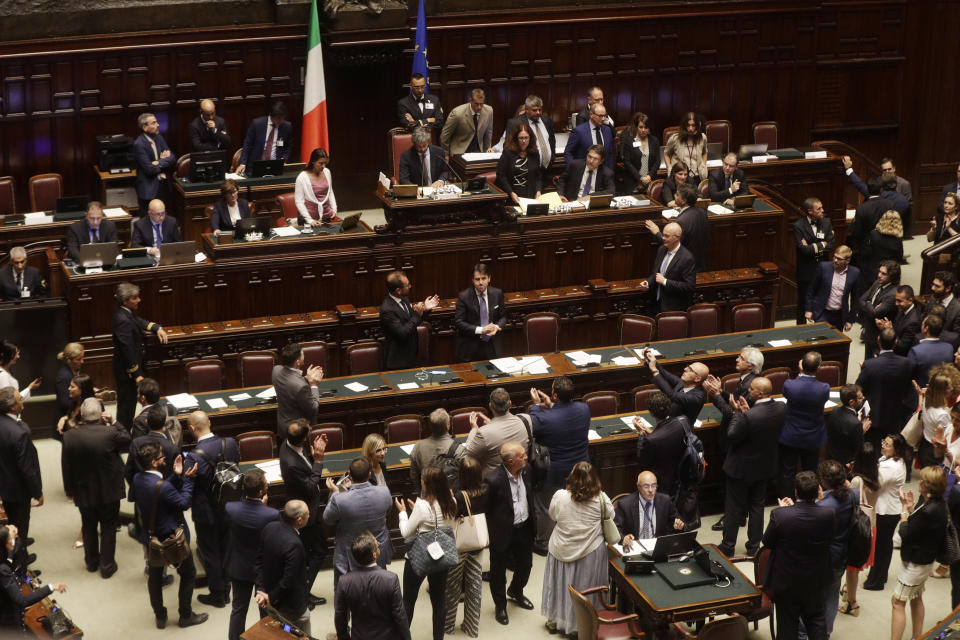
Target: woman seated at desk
[229, 209]
[313, 193]
[518, 172]
[679, 175]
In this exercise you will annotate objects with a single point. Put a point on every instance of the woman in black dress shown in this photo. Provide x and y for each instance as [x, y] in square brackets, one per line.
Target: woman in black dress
[518, 172]
[640, 153]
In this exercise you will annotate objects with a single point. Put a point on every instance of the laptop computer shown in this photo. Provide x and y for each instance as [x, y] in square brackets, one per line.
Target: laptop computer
[177, 252]
[744, 201]
[72, 204]
[747, 151]
[262, 168]
[99, 254]
[674, 545]
[250, 225]
[600, 201]
[714, 151]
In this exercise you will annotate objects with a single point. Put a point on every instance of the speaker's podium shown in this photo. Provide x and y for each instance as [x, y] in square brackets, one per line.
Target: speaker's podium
[270, 628]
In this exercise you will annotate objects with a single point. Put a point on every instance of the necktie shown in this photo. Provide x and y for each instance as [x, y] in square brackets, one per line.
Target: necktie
[19, 282]
[406, 306]
[268, 145]
[153, 145]
[873, 300]
[94, 236]
[728, 183]
[476, 128]
[484, 317]
[424, 171]
[646, 531]
[586, 187]
[157, 237]
[541, 145]
[596, 132]
[663, 269]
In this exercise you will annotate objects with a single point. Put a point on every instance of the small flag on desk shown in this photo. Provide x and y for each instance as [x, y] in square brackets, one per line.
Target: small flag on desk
[420, 64]
[315, 132]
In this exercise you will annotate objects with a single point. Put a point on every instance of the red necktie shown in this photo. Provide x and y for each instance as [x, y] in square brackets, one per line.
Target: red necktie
[268, 145]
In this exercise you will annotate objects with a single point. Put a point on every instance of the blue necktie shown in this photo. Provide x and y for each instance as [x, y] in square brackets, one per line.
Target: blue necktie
[484, 317]
[157, 236]
[646, 531]
[586, 187]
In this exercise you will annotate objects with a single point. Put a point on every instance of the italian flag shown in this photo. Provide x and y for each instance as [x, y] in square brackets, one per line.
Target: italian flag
[314, 93]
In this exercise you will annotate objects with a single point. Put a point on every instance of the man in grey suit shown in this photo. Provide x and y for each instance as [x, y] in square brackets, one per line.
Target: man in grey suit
[297, 395]
[372, 594]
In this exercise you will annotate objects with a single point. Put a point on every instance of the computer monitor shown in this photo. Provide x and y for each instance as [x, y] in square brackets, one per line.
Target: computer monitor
[99, 254]
[177, 252]
[747, 151]
[72, 204]
[263, 168]
[207, 166]
[250, 225]
[674, 545]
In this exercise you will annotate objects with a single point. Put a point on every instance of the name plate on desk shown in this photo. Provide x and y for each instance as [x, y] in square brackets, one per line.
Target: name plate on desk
[813, 155]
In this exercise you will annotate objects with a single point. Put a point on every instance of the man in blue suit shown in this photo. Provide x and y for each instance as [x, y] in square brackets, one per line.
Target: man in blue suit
[162, 503]
[281, 566]
[562, 426]
[803, 429]
[153, 160]
[830, 296]
[887, 383]
[247, 518]
[930, 351]
[596, 131]
[901, 204]
[269, 137]
[155, 229]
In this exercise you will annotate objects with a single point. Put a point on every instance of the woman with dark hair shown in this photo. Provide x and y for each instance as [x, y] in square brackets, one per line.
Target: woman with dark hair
[640, 153]
[518, 172]
[864, 478]
[81, 388]
[576, 554]
[891, 476]
[13, 602]
[466, 579]
[9, 355]
[689, 146]
[679, 175]
[435, 508]
[313, 192]
[946, 225]
[229, 209]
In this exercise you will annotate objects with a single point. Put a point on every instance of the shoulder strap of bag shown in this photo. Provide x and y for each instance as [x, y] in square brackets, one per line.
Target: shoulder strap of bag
[452, 451]
[153, 509]
[466, 499]
[603, 507]
[528, 425]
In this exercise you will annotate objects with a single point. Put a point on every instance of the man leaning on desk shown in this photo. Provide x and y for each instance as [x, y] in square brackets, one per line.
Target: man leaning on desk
[155, 229]
[91, 230]
[268, 138]
[423, 163]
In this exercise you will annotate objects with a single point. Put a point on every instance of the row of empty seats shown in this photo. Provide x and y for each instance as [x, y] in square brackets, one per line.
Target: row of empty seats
[44, 190]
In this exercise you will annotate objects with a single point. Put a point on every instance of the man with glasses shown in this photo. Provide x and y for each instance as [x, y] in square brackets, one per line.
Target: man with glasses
[91, 230]
[208, 131]
[155, 229]
[594, 96]
[830, 297]
[727, 182]
[542, 128]
[646, 513]
[21, 281]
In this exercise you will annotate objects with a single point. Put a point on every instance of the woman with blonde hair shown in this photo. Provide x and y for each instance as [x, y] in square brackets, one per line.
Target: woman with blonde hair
[374, 449]
[935, 401]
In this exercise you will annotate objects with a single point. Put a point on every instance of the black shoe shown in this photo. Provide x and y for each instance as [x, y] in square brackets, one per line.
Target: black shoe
[161, 622]
[870, 586]
[31, 558]
[485, 576]
[540, 551]
[717, 526]
[28, 541]
[195, 618]
[316, 601]
[109, 570]
[212, 600]
[167, 580]
[501, 615]
[752, 551]
[725, 550]
[93, 567]
[521, 601]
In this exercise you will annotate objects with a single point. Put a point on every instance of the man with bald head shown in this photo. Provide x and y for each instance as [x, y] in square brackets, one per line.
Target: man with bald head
[646, 513]
[155, 229]
[670, 287]
[208, 132]
[686, 392]
[209, 518]
[281, 566]
[753, 434]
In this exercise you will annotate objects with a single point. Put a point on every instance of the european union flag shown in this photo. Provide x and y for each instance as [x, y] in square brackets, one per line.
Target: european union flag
[420, 64]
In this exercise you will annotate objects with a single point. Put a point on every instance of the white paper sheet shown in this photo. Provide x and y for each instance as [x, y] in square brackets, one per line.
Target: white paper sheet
[625, 361]
[267, 393]
[356, 387]
[506, 365]
[480, 157]
[407, 448]
[835, 395]
[628, 420]
[408, 385]
[200, 256]
[779, 343]
[851, 214]
[669, 214]
[114, 212]
[239, 396]
[271, 469]
[286, 232]
[182, 401]
[719, 209]
[813, 155]
[828, 404]
[593, 435]
[714, 163]
[639, 352]
[216, 403]
[639, 546]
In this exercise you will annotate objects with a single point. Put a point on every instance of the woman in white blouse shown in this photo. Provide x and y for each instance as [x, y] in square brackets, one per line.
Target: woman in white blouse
[313, 193]
[435, 507]
[892, 474]
[229, 209]
[9, 354]
[936, 399]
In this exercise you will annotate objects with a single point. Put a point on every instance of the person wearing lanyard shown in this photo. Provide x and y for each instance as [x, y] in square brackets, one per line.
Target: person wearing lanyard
[268, 138]
[155, 229]
[20, 280]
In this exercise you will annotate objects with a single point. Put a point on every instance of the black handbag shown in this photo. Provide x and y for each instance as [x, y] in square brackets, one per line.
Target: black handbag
[57, 623]
[950, 551]
[419, 556]
[538, 456]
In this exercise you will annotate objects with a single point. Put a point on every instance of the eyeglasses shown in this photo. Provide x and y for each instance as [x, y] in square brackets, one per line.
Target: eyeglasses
[841, 259]
[648, 487]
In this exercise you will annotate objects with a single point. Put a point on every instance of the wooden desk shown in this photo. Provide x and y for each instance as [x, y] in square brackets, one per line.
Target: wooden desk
[106, 180]
[22, 235]
[407, 214]
[33, 614]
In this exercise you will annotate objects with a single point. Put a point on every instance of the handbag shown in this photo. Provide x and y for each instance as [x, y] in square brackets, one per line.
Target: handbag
[471, 532]
[422, 561]
[538, 456]
[610, 532]
[913, 430]
[950, 550]
[57, 623]
[174, 549]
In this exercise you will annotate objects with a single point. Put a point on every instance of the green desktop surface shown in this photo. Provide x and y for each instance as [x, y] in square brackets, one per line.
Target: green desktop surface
[265, 181]
[425, 377]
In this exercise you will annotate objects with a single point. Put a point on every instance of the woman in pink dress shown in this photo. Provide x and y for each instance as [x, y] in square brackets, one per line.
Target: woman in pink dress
[313, 193]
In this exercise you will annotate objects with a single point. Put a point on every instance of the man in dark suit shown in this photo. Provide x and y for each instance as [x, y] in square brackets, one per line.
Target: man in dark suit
[751, 461]
[510, 524]
[155, 420]
[155, 229]
[942, 289]
[208, 518]
[588, 134]
[419, 108]
[878, 304]
[813, 239]
[930, 350]
[298, 396]
[594, 96]
[269, 137]
[127, 330]
[21, 281]
[423, 163]
[686, 392]
[162, 502]
[727, 182]
[92, 229]
[153, 160]
[561, 425]
[93, 475]
[887, 383]
[950, 337]
[906, 324]
[658, 518]
[845, 427]
[586, 176]
[660, 449]
[19, 466]
[301, 467]
[693, 220]
[803, 430]
[868, 214]
[281, 566]
[542, 128]
[830, 296]
[208, 132]
[670, 287]
[247, 519]
[399, 320]
[480, 315]
[148, 395]
[799, 534]
[372, 595]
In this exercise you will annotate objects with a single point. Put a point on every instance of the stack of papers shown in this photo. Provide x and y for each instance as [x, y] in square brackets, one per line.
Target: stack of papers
[715, 163]
[719, 209]
[779, 343]
[480, 157]
[403, 386]
[181, 401]
[669, 214]
[267, 393]
[234, 176]
[625, 361]
[114, 212]
[639, 351]
[271, 469]
[582, 358]
[763, 158]
[534, 365]
[623, 202]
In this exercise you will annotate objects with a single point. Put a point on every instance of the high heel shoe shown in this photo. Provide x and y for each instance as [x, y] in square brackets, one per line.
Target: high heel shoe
[850, 610]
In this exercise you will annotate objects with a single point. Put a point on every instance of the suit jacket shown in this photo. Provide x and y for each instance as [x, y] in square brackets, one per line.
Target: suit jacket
[175, 496]
[458, 131]
[400, 330]
[467, 318]
[513, 123]
[696, 234]
[752, 439]
[499, 513]
[507, 174]
[363, 508]
[629, 175]
[220, 218]
[901, 202]
[281, 568]
[582, 138]
[819, 245]
[92, 468]
[819, 293]
[32, 280]
[563, 429]
[79, 233]
[670, 188]
[627, 515]
[568, 184]
[927, 354]
[19, 465]
[844, 435]
[681, 275]
[803, 426]
[247, 519]
[951, 319]
[143, 232]
[717, 185]
[879, 247]
[683, 403]
[13, 602]
[202, 139]
[907, 327]
[867, 216]
[408, 104]
[410, 172]
[295, 398]
[372, 595]
[660, 452]
[132, 468]
[876, 302]
[203, 499]
[65, 376]
[922, 534]
[887, 383]
[127, 332]
[148, 178]
[256, 139]
[800, 537]
[302, 478]
[173, 431]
